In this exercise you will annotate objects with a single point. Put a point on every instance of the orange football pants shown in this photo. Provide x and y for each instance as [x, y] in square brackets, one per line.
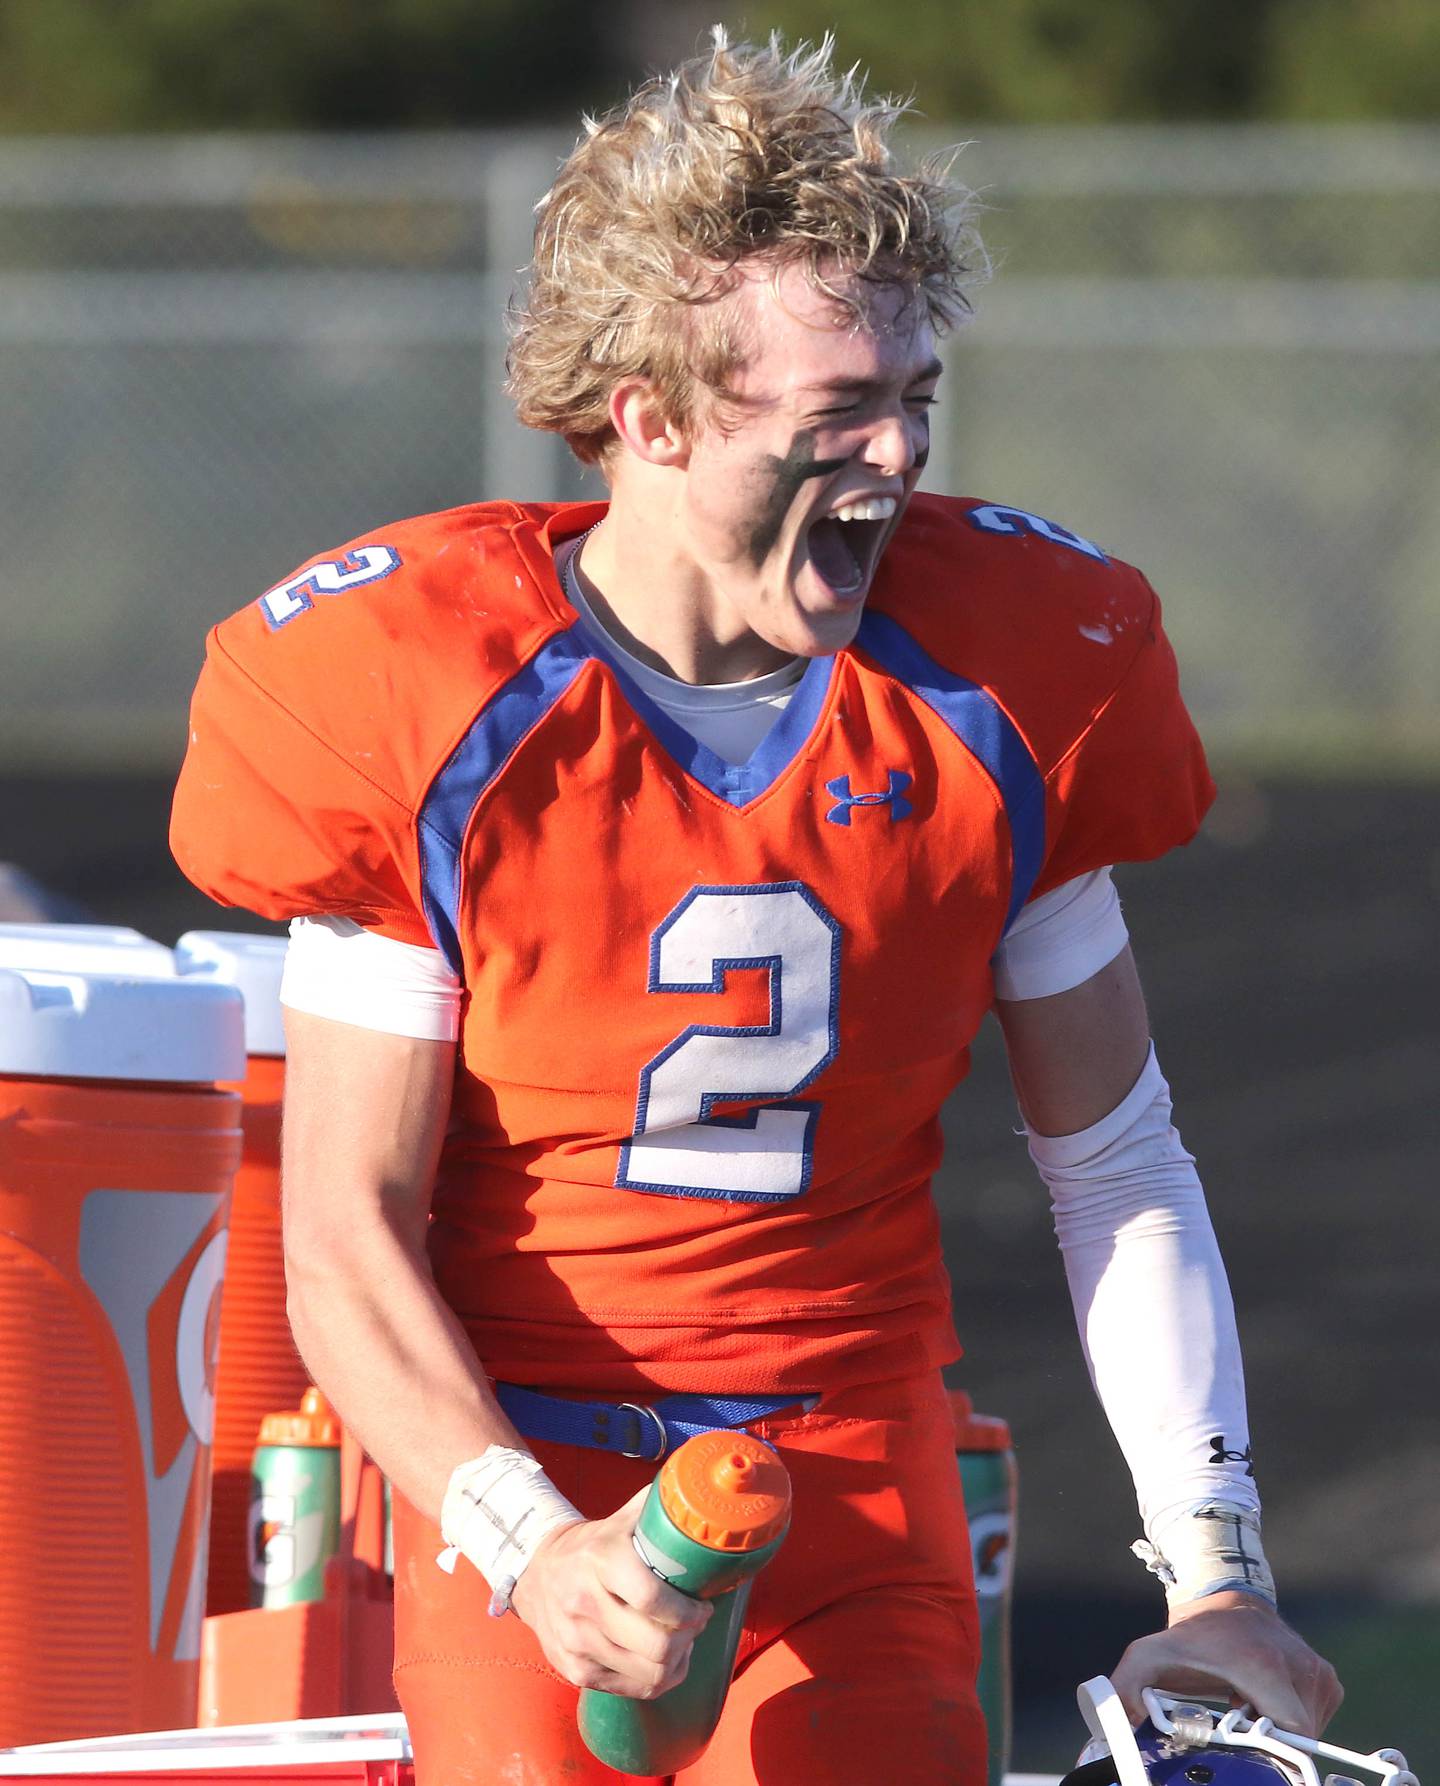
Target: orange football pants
[857, 1664]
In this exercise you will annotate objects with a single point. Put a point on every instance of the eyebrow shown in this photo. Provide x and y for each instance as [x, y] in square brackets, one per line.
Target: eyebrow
[932, 370]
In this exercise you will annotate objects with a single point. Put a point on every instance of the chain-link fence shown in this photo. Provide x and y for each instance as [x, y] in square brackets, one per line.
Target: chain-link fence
[1213, 350]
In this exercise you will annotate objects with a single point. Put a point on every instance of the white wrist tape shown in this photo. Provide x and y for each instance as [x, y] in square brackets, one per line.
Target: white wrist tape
[1211, 1549]
[496, 1511]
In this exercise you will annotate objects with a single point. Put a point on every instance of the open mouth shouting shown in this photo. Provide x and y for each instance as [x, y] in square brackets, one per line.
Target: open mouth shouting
[844, 544]
[840, 545]
[813, 528]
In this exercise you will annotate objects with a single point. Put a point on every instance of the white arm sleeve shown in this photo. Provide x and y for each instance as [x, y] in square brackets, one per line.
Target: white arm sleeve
[335, 969]
[1152, 1304]
[1060, 939]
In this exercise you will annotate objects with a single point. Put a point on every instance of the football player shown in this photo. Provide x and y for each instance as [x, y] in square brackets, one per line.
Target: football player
[652, 864]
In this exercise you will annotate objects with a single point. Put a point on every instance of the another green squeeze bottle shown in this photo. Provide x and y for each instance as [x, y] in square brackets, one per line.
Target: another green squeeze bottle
[717, 1512]
[987, 1475]
[294, 1503]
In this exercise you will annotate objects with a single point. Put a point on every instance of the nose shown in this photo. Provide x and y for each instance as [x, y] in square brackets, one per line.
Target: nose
[897, 441]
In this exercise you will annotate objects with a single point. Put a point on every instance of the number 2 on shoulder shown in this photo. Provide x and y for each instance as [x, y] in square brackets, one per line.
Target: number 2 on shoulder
[680, 1148]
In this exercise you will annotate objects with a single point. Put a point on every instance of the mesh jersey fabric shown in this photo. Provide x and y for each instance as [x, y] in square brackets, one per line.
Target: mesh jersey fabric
[712, 1010]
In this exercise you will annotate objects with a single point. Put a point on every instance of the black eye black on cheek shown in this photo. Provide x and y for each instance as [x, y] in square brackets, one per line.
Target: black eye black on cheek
[785, 474]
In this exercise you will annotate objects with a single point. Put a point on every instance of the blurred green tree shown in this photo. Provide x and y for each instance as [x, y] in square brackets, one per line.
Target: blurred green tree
[1057, 61]
[1354, 59]
[102, 65]
[106, 65]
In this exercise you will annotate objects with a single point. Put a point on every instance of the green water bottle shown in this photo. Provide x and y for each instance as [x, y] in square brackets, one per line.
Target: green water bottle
[294, 1503]
[715, 1515]
[988, 1478]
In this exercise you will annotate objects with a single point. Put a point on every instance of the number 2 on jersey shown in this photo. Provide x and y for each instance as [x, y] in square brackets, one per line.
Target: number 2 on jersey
[678, 1146]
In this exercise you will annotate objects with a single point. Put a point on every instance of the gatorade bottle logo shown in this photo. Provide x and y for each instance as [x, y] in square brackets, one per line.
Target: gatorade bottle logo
[272, 1540]
[155, 1261]
[286, 1543]
[990, 1551]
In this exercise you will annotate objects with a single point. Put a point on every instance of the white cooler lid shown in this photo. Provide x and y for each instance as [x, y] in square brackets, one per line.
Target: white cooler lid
[291, 1745]
[252, 962]
[85, 949]
[58, 1025]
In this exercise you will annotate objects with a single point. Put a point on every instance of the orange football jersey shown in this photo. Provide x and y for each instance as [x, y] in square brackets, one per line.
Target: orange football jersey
[712, 1010]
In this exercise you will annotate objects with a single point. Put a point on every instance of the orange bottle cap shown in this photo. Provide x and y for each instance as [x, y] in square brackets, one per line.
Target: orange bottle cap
[314, 1422]
[976, 1432]
[726, 1490]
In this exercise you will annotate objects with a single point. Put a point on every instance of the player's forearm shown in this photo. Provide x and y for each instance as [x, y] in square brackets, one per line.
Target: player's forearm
[1154, 1311]
[1152, 1302]
[393, 1359]
[365, 1114]
[1155, 1317]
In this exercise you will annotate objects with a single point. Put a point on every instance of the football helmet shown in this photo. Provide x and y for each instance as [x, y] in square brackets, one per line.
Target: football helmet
[1184, 1744]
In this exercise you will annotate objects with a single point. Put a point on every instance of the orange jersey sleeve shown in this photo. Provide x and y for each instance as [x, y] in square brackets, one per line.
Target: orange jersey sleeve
[325, 709]
[269, 816]
[1068, 640]
[1135, 782]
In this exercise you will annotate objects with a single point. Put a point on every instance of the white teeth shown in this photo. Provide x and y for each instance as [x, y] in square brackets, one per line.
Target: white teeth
[870, 508]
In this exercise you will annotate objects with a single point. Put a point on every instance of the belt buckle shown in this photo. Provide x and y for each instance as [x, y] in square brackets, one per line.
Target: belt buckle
[642, 1410]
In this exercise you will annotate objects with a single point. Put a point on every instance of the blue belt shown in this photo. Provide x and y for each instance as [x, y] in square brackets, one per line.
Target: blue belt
[634, 1429]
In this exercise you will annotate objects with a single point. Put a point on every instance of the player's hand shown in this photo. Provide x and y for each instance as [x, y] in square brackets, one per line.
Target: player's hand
[1238, 1645]
[602, 1618]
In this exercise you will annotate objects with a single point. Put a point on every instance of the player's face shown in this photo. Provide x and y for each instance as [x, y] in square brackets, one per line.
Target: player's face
[793, 495]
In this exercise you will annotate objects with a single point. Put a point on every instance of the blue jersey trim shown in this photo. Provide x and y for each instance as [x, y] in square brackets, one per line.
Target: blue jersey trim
[986, 731]
[494, 735]
[736, 783]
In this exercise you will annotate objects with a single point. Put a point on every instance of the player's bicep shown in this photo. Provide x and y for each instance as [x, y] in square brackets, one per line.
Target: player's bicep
[365, 1114]
[1075, 1055]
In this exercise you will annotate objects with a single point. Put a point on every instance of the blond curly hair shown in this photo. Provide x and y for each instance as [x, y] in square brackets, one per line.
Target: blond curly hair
[745, 151]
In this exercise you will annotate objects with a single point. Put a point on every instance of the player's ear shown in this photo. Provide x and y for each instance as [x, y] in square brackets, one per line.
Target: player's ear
[643, 427]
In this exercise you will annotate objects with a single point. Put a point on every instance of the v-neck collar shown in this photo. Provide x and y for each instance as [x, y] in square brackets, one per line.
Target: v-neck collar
[735, 783]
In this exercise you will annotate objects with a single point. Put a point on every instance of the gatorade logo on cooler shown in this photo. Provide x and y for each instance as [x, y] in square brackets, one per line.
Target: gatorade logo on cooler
[155, 1260]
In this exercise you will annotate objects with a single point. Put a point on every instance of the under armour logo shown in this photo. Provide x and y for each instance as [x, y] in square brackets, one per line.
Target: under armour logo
[1219, 1455]
[893, 797]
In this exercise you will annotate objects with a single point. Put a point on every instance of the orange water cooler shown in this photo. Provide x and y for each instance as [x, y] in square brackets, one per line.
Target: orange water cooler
[259, 1370]
[117, 1151]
